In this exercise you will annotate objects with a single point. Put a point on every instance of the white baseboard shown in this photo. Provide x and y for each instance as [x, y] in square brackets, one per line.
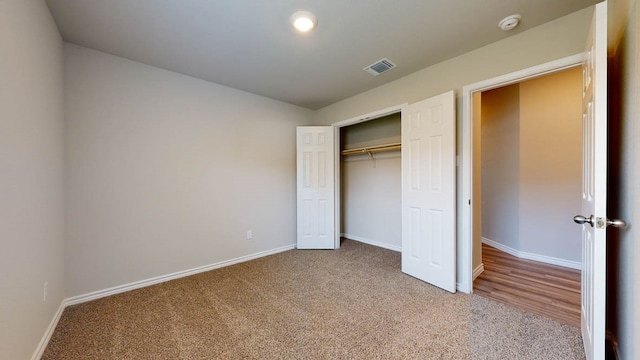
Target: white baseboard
[140, 284]
[535, 257]
[477, 271]
[371, 242]
[47, 335]
[160, 279]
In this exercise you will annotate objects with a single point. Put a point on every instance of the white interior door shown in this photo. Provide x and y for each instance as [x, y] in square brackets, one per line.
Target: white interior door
[429, 191]
[315, 184]
[594, 185]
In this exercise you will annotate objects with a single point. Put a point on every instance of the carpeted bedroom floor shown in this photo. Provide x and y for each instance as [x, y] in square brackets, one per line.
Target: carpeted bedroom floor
[351, 303]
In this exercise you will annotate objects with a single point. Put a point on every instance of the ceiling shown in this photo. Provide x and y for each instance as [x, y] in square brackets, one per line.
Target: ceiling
[250, 45]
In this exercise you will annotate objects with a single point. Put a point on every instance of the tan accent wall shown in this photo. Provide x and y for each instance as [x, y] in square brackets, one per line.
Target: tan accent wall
[551, 165]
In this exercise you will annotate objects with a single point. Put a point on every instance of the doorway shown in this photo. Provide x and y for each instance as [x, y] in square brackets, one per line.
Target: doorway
[527, 180]
[530, 157]
[530, 173]
[470, 202]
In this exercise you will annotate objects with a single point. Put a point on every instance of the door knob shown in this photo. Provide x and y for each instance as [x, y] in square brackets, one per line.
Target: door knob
[617, 223]
[579, 219]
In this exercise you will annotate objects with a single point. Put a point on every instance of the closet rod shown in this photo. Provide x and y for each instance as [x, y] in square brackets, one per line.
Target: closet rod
[372, 149]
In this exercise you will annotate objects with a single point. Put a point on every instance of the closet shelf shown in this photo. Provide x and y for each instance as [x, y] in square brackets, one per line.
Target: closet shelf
[371, 149]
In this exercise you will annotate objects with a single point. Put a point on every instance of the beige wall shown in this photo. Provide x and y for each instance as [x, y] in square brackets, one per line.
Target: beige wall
[551, 165]
[623, 282]
[31, 180]
[500, 138]
[167, 172]
[384, 130]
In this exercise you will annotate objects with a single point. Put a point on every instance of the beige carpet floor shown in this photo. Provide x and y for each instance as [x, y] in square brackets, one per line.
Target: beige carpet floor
[352, 303]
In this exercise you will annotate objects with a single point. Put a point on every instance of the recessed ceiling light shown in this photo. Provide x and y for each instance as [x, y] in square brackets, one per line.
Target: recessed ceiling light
[509, 22]
[303, 21]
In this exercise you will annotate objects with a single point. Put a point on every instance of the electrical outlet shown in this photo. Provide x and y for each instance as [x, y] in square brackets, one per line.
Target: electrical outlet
[249, 234]
[44, 291]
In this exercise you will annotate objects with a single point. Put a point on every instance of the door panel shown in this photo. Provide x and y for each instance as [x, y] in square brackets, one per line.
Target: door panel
[315, 187]
[428, 191]
[594, 186]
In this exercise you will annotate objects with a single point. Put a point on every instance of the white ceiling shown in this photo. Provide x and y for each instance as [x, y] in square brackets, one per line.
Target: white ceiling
[249, 44]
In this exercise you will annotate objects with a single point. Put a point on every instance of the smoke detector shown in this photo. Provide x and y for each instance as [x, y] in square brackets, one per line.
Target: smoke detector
[380, 66]
[509, 22]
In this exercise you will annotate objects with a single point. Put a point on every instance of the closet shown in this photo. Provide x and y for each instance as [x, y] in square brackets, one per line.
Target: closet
[397, 198]
[370, 182]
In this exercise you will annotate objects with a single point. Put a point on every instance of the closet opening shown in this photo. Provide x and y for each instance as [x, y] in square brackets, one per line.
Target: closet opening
[355, 134]
[370, 182]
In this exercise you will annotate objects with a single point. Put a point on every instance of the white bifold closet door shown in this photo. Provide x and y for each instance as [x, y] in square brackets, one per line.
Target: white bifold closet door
[429, 191]
[315, 183]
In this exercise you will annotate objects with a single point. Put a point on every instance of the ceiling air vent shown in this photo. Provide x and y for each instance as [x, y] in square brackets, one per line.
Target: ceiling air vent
[379, 67]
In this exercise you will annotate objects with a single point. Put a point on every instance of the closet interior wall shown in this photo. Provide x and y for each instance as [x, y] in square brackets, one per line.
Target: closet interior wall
[370, 200]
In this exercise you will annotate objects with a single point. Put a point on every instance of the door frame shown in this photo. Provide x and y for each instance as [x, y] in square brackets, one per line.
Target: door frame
[336, 138]
[465, 198]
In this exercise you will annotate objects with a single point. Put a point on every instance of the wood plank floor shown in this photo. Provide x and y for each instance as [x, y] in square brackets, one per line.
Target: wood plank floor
[539, 288]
